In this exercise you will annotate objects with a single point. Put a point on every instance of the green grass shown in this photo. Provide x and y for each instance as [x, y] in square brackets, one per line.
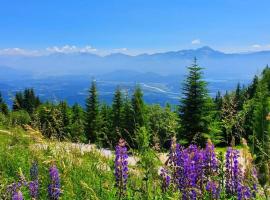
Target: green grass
[83, 175]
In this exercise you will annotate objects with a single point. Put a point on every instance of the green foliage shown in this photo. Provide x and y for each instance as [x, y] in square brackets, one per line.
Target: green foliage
[77, 124]
[92, 113]
[26, 100]
[143, 138]
[193, 106]
[3, 106]
[128, 122]
[117, 110]
[19, 118]
[163, 124]
[49, 120]
[138, 107]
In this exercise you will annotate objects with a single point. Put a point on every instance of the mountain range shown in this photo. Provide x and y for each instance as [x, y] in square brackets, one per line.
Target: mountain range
[68, 75]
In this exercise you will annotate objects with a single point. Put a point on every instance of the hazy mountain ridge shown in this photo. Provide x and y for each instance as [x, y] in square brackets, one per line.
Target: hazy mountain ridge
[67, 76]
[217, 64]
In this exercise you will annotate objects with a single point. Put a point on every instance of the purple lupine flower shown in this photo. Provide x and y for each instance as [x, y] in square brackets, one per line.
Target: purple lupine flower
[121, 166]
[190, 172]
[210, 161]
[234, 174]
[34, 171]
[14, 188]
[33, 189]
[175, 151]
[17, 195]
[54, 187]
[213, 188]
[243, 192]
[33, 185]
[165, 178]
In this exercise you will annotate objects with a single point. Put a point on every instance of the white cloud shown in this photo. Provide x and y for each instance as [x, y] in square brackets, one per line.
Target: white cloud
[256, 46]
[196, 41]
[71, 49]
[17, 51]
[124, 49]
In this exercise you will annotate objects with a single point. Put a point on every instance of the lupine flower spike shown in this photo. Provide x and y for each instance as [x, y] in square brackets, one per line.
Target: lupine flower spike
[33, 184]
[121, 167]
[54, 189]
[165, 179]
[15, 188]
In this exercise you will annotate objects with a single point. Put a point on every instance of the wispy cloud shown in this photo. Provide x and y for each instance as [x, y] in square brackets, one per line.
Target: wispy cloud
[17, 51]
[124, 49]
[196, 41]
[256, 46]
[71, 49]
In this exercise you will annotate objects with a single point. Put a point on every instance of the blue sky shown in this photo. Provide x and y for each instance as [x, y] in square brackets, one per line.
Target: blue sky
[134, 26]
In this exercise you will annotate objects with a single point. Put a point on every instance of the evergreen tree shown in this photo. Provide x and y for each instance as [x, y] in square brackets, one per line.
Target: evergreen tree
[138, 107]
[239, 97]
[3, 106]
[106, 137]
[27, 101]
[18, 101]
[77, 124]
[117, 111]
[91, 114]
[65, 112]
[218, 100]
[128, 122]
[193, 106]
[252, 88]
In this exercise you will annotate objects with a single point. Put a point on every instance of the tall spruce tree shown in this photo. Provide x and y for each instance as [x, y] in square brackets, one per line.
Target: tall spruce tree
[117, 111]
[138, 107]
[193, 109]
[91, 113]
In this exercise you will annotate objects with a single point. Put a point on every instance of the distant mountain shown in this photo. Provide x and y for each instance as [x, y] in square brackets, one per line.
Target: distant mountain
[217, 64]
[67, 76]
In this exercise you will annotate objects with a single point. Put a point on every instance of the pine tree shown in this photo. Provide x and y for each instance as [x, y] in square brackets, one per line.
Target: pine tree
[106, 137]
[193, 106]
[91, 114]
[117, 111]
[65, 112]
[18, 101]
[3, 106]
[77, 124]
[252, 88]
[218, 100]
[138, 107]
[128, 122]
[26, 100]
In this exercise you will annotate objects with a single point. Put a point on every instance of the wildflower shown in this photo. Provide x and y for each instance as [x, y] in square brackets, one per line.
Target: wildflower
[210, 161]
[14, 188]
[121, 166]
[34, 171]
[190, 172]
[213, 189]
[172, 161]
[234, 175]
[166, 179]
[33, 189]
[33, 185]
[54, 187]
[17, 195]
